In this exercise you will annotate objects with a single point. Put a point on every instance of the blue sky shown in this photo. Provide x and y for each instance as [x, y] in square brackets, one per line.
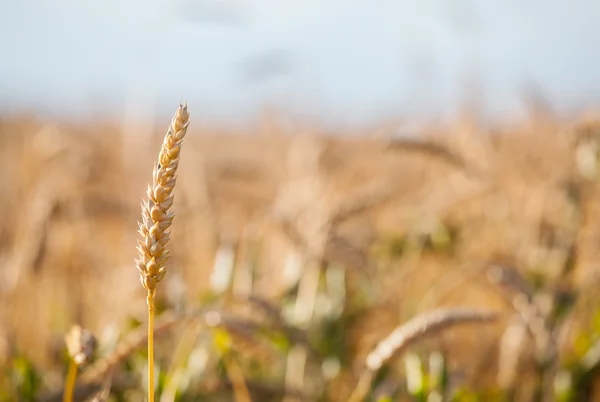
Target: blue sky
[349, 60]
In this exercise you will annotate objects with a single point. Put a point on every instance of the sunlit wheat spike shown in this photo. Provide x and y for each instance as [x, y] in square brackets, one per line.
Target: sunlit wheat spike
[407, 334]
[421, 326]
[156, 209]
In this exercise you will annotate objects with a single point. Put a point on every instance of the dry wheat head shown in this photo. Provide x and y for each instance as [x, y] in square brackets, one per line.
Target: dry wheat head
[157, 215]
[81, 345]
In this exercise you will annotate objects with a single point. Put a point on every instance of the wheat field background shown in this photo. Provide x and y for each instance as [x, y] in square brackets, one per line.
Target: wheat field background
[296, 250]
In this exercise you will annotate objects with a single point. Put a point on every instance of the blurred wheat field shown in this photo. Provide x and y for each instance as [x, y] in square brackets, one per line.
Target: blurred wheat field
[295, 252]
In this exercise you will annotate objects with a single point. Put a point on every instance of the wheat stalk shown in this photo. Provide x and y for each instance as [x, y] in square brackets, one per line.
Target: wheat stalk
[157, 217]
[81, 345]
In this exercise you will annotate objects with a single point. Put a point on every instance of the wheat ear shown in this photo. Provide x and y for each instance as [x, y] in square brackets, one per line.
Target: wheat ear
[157, 216]
[407, 334]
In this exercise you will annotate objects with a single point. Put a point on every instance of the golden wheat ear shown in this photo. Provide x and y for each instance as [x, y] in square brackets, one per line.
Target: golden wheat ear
[403, 336]
[157, 217]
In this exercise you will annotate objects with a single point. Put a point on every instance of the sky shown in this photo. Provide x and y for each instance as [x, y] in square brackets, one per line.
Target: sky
[352, 60]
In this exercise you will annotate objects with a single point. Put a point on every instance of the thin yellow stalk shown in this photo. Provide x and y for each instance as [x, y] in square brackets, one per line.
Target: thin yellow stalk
[70, 381]
[151, 346]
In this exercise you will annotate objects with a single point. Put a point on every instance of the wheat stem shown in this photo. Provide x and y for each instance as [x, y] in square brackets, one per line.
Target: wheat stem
[70, 381]
[236, 376]
[151, 345]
